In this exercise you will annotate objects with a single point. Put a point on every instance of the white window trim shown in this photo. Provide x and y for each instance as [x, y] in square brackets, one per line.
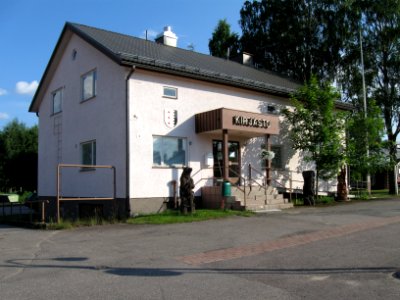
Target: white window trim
[94, 86]
[94, 153]
[165, 166]
[60, 90]
[282, 166]
[171, 89]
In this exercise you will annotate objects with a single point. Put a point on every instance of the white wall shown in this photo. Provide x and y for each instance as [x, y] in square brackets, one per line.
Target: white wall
[147, 119]
[101, 118]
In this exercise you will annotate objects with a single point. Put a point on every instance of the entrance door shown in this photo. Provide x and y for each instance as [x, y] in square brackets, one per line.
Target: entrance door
[234, 160]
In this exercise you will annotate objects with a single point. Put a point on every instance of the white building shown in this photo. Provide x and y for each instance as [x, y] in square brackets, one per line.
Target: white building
[148, 109]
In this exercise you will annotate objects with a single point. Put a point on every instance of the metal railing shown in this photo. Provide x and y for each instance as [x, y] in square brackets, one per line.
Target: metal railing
[237, 185]
[24, 211]
[358, 187]
[265, 180]
[251, 180]
[60, 198]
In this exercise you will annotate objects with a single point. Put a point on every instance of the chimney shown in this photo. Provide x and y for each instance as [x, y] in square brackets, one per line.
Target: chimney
[167, 37]
[244, 58]
[247, 59]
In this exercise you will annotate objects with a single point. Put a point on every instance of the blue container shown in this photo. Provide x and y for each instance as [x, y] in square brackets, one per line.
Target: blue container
[226, 189]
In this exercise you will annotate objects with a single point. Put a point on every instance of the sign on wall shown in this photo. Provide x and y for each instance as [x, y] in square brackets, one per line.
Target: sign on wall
[170, 117]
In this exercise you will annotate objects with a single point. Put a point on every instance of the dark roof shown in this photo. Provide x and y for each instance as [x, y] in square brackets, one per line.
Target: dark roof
[131, 51]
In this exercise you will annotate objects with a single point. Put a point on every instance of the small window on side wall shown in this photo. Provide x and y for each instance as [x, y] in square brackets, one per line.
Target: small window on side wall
[57, 101]
[88, 83]
[277, 161]
[88, 153]
[170, 92]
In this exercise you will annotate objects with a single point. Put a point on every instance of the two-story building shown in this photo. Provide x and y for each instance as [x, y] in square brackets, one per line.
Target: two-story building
[149, 108]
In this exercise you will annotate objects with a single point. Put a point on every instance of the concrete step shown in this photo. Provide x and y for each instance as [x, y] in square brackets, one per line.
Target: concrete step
[259, 199]
[260, 208]
[264, 202]
[253, 194]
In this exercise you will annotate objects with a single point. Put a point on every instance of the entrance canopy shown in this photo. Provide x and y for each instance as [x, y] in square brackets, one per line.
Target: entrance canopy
[237, 122]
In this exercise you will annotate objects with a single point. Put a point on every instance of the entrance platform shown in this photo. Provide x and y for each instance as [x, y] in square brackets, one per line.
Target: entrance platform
[253, 199]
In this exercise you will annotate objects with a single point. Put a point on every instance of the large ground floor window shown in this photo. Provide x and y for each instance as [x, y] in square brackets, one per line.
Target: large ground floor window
[169, 151]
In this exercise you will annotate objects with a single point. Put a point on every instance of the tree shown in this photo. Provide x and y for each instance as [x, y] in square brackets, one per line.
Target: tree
[295, 38]
[379, 24]
[224, 43]
[363, 132]
[316, 129]
[18, 157]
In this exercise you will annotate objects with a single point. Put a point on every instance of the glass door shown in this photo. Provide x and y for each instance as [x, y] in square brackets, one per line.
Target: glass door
[233, 157]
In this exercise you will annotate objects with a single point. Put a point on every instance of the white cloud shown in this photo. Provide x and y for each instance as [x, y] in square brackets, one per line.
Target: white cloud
[26, 88]
[4, 116]
[3, 92]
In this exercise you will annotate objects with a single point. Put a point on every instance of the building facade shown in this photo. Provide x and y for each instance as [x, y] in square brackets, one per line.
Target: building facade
[147, 109]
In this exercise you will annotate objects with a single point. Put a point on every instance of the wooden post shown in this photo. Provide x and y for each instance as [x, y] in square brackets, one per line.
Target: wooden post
[225, 167]
[58, 195]
[268, 161]
[250, 178]
[225, 154]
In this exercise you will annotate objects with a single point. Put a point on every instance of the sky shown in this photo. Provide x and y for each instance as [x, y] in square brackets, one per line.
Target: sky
[29, 30]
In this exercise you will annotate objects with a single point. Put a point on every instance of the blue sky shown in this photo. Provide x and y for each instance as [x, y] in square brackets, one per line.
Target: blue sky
[29, 30]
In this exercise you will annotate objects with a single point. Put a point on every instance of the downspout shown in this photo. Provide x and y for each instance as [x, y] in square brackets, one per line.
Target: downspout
[127, 139]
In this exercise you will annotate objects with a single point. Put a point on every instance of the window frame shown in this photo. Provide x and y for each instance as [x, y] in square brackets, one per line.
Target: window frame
[93, 85]
[277, 155]
[170, 88]
[274, 166]
[93, 154]
[53, 95]
[162, 163]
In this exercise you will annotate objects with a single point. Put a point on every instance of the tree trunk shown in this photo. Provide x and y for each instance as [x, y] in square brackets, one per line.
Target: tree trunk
[341, 185]
[393, 158]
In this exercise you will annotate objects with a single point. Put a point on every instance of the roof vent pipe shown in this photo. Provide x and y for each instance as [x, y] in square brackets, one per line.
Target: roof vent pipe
[167, 37]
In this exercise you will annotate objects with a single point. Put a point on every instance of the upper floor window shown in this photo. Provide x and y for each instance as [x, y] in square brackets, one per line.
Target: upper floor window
[170, 92]
[57, 101]
[89, 85]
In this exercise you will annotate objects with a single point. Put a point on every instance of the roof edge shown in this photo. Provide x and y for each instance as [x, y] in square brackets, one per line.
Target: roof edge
[68, 26]
[47, 70]
[93, 42]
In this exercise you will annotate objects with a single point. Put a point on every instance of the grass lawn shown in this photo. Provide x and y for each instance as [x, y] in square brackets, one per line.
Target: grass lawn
[170, 217]
[382, 194]
[167, 217]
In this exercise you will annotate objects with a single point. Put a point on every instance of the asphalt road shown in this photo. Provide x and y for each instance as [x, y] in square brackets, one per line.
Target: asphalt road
[348, 251]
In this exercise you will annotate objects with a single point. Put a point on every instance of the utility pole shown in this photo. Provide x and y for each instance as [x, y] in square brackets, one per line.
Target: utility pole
[365, 108]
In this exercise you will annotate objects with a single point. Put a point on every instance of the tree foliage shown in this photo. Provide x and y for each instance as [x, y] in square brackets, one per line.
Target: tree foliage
[224, 43]
[18, 157]
[379, 24]
[316, 129]
[295, 38]
[363, 132]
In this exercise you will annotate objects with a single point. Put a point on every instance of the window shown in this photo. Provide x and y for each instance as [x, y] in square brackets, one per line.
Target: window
[89, 85]
[277, 161]
[170, 92]
[57, 101]
[169, 151]
[88, 152]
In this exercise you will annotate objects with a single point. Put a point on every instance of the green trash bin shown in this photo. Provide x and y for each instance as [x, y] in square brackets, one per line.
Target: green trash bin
[226, 189]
